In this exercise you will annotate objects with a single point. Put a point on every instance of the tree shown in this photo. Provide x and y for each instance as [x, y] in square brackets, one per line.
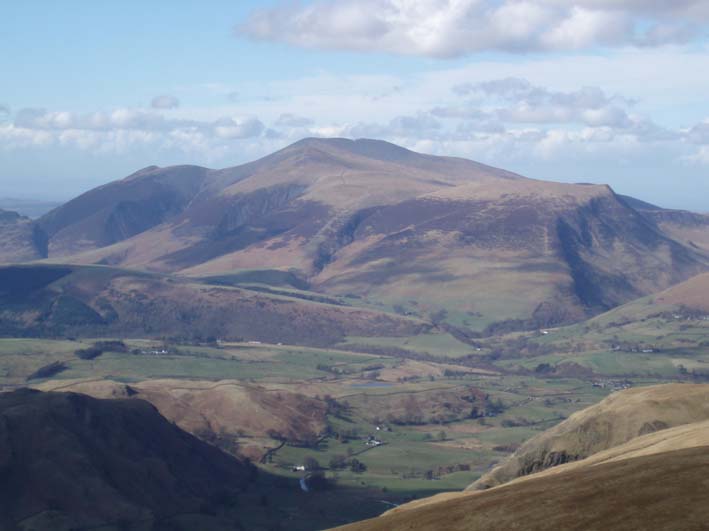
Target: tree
[441, 435]
[357, 466]
[338, 462]
[311, 463]
[317, 481]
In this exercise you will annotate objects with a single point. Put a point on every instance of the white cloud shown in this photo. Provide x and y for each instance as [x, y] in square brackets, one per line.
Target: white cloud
[450, 28]
[293, 121]
[238, 127]
[165, 101]
[121, 129]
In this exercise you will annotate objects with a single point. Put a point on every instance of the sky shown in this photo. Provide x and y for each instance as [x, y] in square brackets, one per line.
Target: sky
[605, 91]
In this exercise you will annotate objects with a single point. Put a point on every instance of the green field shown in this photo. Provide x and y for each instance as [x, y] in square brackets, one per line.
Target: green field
[540, 379]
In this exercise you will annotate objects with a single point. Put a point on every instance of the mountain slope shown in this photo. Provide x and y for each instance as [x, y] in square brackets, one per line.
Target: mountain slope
[689, 228]
[633, 461]
[662, 491]
[120, 209]
[616, 420]
[70, 461]
[469, 244]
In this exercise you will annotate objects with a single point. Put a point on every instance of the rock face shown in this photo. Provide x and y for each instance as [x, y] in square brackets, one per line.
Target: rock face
[70, 461]
[428, 234]
[620, 418]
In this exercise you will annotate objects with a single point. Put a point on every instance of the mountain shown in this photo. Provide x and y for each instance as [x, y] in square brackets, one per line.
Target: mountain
[20, 239]
[442, 238]
[70, 461]
[97, 301]
[615, 420]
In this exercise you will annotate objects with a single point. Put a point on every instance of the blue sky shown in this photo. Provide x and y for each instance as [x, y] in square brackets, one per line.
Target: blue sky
[584, 90]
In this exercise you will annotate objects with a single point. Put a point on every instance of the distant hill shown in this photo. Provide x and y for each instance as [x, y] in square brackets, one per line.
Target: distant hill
[442, 238]
[74, 462]
[28, 207]
[97, 301]
[21, 240]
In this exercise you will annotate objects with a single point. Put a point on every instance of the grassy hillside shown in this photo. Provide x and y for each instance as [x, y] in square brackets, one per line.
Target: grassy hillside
[660, 491]
[619, 418]
[607, 466]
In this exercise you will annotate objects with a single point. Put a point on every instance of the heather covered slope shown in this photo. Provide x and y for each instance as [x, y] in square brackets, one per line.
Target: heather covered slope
[660, 491]
[620, 418]
[444, 238]
[70, 461]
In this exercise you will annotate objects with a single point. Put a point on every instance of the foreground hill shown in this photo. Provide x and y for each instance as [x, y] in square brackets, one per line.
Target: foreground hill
[663, 491]
[437, 237]
[243, 419]
[633, 461]
[45, 300]
[614, 421]
[70, 461]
